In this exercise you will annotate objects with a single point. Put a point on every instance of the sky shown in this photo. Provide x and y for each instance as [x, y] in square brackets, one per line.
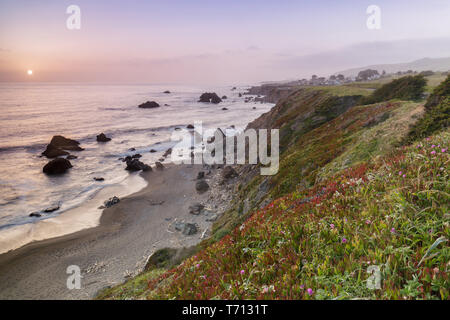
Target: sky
[213, 42]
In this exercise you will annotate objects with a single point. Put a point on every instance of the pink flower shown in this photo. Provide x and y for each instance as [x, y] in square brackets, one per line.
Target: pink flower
[310, 291]
[302, 286]
[197, 265]
[433, 152]
[444, 150]
[393, 230]
[404, 176]
[242, 271]
[400, 173]
[344, 240]
[332, 226]
[433, 146]
[367, 221]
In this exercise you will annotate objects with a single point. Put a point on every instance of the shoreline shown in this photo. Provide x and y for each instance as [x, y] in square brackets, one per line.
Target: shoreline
[107, 254]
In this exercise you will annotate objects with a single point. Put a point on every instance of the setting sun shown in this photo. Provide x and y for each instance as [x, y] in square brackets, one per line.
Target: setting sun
[30, 72]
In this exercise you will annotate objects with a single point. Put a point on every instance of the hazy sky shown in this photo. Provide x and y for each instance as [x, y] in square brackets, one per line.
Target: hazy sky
[226, 42]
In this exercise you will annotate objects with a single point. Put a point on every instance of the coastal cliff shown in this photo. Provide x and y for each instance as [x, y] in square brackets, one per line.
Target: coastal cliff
[360, 185]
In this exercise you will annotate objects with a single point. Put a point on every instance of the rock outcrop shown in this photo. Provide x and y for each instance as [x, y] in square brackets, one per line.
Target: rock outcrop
[136, 165]
[103, 138]
[57, 166]
[59, 146]
[149, 105]
[210, 97]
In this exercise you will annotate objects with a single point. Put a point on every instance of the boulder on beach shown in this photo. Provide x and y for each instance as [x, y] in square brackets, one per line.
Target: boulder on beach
[228, 172]
[190, 126]
[196, 208]
[159, 165]
[201, 186]
[136, 156]
[59, 145]
[103, 138]
[57, 166]
[149, 105]
[152, 150]
[189, 229]
[111, 201]
[224, 109]
[136, 165]
[35, 214]
[99, 179]
[224, 97]
[167, 92]
[200, 175]
[52, 208]
[211, 97]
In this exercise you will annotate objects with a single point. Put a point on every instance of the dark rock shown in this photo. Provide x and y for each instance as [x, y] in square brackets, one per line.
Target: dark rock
[167, 91]
[234, 88]
[196, 208]
[201, 186]
[240, 95]
[254, 108]
[57, 166]
[52, 152]
[136, 156]
[200, 175]
[168, 152]
[159, 165]
[149, 105]
[189, 229]
[228, 173]
[224, 109]
[35, 214]
[136, 165]
[52, 209]
[224, 97]
[111, 201]
[103, 138]
[65, 143]
[132, 149]
[152, 150]
[166, 105]
[99, 179]
[211, 97]
[190, 126]
[71, 157]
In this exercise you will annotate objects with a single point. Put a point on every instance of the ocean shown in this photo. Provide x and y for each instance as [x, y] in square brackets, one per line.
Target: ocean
[32, 113]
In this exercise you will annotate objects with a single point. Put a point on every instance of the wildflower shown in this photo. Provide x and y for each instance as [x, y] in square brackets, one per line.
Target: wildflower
[368, 221]
[400, 173]
[302, 287]
[428, 139]
[332, 226]
[436, 270]
[444, 150]
[433, 152]
[393, 230]
[265, 290]
[344, 240]
[310, 291]
[404, 176]
[197, 265]
[242, 271]
[433, 146]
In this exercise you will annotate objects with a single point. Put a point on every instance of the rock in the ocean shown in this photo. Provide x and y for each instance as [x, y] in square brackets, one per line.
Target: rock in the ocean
[152, 150]
[57, 166]
[35, 214]
[99, 179]
[111, 201]
[189, 229]
[196, 208]
[201, 186]
[211, 97]
[224, 109]
[159, 165]
[136, 165]
[228, 172]
[190, 126]
[149, 105]
[136, 156]
[167, 91]
[224, 97]
[167, 153]
[103, 138]
[71, 157]
[52, 208]
[52, 152]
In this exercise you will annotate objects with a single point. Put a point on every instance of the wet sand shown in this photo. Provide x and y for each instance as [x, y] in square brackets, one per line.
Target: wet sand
[128, 233]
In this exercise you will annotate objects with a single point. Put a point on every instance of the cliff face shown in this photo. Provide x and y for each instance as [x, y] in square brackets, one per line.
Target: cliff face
[326, 215]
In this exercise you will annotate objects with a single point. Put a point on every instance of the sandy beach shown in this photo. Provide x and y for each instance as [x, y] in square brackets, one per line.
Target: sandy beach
[129, 232]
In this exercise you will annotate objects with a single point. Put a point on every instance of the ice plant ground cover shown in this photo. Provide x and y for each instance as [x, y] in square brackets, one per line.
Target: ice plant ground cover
[392, 212]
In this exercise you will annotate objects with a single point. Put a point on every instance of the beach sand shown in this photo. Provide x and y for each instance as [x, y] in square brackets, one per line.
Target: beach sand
[128, 233]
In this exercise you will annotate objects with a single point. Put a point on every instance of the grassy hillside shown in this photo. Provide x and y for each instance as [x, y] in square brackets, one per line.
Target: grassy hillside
[347, 197]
